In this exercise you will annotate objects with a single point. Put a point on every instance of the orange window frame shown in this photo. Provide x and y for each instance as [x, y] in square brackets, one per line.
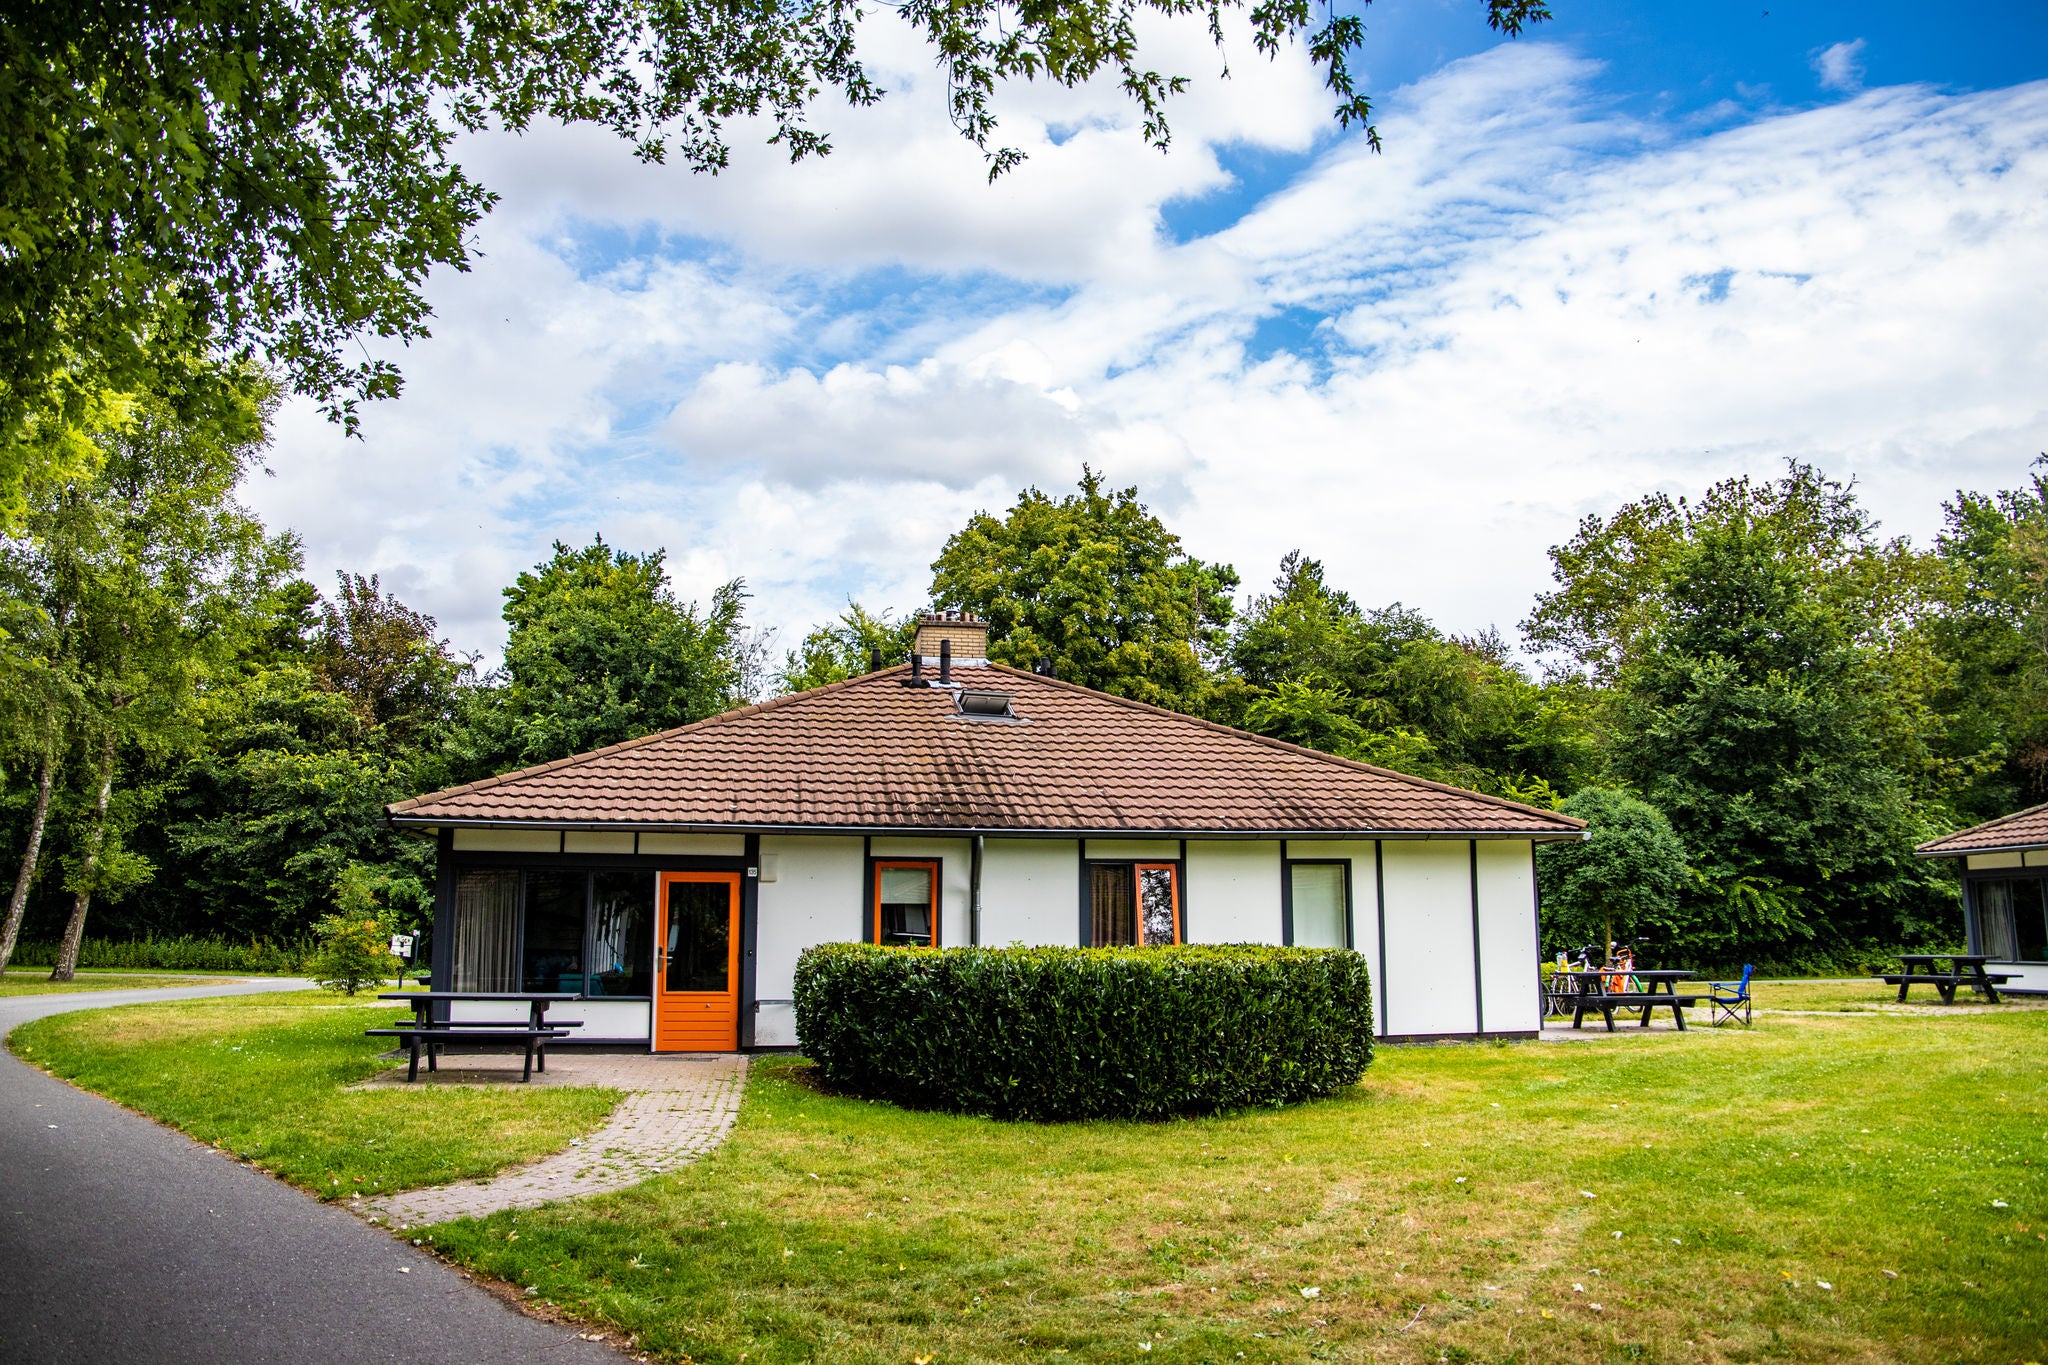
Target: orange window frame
[931, 866]
[1138, 871]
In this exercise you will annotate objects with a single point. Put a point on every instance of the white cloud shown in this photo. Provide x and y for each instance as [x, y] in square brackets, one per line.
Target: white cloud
[1840, 66]
[1529, 309]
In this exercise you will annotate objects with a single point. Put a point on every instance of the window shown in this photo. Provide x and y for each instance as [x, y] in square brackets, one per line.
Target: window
[2012, 921]
[485, 944]
[551, 955]
[621, 934]
[1320, 906]
[1133, 904]
[907, 904]
[554, 929]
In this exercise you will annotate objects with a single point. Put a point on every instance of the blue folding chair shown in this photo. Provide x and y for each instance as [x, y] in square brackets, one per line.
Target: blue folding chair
[1727, 997]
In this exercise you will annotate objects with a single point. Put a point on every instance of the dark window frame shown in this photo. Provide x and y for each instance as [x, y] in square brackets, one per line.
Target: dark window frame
[1287, 866]
[1179, 867]
[456, 863]
[1973, 883]
[872, 894]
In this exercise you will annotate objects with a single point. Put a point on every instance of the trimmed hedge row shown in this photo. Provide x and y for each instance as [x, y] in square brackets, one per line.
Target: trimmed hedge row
[1068, 1033]
[187, 953]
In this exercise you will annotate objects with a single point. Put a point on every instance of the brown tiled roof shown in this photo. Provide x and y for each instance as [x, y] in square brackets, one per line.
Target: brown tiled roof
[2022, 829]
[872, 754]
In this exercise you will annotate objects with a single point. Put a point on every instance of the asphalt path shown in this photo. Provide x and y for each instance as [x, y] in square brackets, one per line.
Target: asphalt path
[121, 1240]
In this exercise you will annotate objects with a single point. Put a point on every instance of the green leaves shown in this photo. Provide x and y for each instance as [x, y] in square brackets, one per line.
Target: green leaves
[1098, 585]
[601, 651]
[1066, 1033]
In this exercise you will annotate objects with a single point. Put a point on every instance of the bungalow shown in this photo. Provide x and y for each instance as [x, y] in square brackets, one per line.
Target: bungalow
[670, 882]
[2005, 894]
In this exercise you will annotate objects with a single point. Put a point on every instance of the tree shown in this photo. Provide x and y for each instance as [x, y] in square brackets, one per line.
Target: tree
[132, 578]
[386, 659]
[1309, 665]
[1750, 715]
[355, 941]
[1992, 632]
[1095, 583]
[601, 651]
[845, 649]
[181, 174]
[1627, 876]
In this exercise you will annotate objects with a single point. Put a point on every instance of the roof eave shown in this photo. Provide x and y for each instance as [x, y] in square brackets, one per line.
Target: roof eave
[1551, 835]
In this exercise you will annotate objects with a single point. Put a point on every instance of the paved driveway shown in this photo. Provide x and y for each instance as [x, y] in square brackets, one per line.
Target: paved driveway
[122, 1241]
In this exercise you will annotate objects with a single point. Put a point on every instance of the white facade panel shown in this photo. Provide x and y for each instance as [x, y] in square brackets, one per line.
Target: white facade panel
[597, 841]
[2026, 977]
[1233, 891]
[508, 840]
[956, 879]
[602, 1020]
[815, 898]
[1030, 892]
[694, 845]
[1429, 936]
[1143, 850]
[1507, 935]
[775, 1024]
[1979, 862]
[2037, 857]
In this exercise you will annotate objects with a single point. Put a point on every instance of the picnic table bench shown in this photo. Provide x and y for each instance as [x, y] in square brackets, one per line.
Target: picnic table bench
[1965, 969]
[428, 1033]
[1594, 994]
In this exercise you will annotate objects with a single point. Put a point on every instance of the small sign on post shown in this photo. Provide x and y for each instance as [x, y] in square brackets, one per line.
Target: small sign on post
[401, 945]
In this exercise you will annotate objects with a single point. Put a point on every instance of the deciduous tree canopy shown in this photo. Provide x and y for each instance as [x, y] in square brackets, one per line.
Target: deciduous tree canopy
[183, 174]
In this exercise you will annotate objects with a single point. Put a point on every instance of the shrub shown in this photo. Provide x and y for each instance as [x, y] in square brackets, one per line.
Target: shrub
[1066, 1033]
[188, 952]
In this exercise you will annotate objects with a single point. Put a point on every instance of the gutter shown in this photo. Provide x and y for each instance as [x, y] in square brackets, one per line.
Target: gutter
[1549, 835]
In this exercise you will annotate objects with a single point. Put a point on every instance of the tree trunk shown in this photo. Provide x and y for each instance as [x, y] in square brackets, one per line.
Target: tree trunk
[81, 901]
[17, 903]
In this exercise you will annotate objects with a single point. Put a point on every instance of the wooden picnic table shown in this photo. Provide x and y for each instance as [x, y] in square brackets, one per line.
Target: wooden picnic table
[1965, 969]
[1593, 994]
[430, 1033]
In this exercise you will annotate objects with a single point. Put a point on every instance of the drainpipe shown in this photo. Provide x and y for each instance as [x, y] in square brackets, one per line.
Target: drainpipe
[974, 895]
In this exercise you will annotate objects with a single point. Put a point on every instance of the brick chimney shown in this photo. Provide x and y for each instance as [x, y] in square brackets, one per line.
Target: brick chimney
[967, 633]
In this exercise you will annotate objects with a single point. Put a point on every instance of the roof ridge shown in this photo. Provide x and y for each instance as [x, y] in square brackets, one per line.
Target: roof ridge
[1569, 821]
[1990, 824]
[722, 717]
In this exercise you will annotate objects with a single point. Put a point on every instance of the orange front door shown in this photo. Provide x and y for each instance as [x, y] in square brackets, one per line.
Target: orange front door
[697, 967]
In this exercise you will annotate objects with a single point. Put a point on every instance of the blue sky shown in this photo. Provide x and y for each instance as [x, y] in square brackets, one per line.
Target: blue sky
[1646, 247]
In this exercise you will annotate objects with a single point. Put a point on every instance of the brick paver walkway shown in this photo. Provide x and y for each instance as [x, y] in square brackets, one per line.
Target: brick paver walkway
[677, 1108]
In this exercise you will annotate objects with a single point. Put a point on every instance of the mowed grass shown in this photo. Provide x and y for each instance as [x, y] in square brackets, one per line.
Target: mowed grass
[267, 1078]
[1462, 1204]
[1459, 1205]
[36, 981]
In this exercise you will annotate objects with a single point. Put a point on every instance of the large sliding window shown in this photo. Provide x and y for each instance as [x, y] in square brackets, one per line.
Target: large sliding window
[486, 938]
[551, 955]
[2012, 918]
[1319, 904]
[1133, 904]
[621, 934]
[571, 930]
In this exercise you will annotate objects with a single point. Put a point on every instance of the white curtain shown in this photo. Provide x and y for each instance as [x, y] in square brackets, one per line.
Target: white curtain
[1318, 905]
[487, 931]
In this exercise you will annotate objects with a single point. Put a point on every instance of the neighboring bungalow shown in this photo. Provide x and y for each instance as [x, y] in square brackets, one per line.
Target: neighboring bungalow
[2005, 894]
[672, 881]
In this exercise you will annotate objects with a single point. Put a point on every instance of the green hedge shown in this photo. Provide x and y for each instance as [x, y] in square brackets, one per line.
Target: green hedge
[186, 953]
[1066, 1033]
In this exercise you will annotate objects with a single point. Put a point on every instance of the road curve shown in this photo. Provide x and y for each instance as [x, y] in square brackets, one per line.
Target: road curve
[124, 1241]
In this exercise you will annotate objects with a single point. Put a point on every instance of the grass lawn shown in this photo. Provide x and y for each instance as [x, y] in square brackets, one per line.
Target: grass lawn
[35, 981]
[266, 1077]
[1836, 1186]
